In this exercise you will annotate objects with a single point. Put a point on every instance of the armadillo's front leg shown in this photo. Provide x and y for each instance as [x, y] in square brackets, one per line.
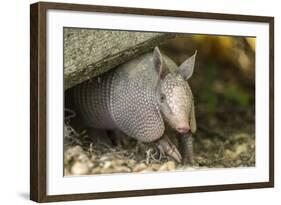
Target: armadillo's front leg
[186, 148]
[167, 147]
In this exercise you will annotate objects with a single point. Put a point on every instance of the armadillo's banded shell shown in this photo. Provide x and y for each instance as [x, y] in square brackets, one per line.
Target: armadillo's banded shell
[92, 100]
[134, 102]
[123, 99]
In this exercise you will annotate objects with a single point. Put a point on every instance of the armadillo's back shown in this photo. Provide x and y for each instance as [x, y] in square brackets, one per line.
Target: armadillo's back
[92, 101]
[134, 102]
[125, 99]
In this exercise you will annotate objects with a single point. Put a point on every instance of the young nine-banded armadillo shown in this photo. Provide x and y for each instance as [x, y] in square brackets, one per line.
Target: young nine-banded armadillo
[139, 98]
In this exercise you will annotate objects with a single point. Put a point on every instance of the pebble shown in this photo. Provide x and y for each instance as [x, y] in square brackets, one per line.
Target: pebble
[83, 158]
[168, 166]
[139, 167]
[122, 169]
[107, 164]
[104, 158]
[148, 169]
[93, 158]
[79, 168]
[171, 165]
[241, 148]
[131, 162]
[107, 170]
[90, 164]
[229, 154]
[119, 161]
[71, 153]
[97, 170]
[155, 167]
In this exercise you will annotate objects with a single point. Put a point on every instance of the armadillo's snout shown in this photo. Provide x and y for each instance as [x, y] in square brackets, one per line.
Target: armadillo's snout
[183, 128]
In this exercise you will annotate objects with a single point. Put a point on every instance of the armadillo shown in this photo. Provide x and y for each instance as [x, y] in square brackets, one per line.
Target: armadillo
[140, 98]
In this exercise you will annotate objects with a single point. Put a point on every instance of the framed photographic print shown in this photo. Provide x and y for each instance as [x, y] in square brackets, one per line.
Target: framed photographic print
[133, 102]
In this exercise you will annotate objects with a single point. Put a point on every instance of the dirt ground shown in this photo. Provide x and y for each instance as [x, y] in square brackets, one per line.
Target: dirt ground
[211, 150]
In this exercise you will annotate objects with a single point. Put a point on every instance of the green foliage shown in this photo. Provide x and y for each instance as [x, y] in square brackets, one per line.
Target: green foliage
[236, 94]
[207, 96]
[230, 93]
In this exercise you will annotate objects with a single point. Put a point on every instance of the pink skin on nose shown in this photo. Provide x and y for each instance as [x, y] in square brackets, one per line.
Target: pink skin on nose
[183, 128]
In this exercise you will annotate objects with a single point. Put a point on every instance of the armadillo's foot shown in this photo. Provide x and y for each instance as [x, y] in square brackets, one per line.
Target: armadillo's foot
[167, 147]
[118, 138]
[99, 137]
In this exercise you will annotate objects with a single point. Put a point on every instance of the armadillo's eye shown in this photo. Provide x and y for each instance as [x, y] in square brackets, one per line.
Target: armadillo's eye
[162, 97]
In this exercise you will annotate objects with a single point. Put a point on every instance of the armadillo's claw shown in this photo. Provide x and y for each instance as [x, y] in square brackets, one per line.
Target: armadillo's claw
[167, 147]
[175, 154]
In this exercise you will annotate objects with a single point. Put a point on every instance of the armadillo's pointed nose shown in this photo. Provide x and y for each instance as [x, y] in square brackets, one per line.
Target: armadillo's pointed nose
[183, 129]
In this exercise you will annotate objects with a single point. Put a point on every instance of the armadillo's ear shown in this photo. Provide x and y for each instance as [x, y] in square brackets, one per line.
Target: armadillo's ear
[193, 120]
[187, 67]
[159, 63]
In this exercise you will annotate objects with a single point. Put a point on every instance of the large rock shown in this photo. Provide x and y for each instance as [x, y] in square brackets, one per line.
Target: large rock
[90, 52]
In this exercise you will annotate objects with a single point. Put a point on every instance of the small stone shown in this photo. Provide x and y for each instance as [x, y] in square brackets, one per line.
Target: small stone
[164, 167]
[107, 164]
[83, 157]
[148, 169]
[122, 169]
[96, 170]
[76, 149]
[131, 162]
[90, 164]
[104, 158]
[168, 166]
[229, 154]
[79, 168]
[107, 170]
[238, 162]
[139, 167]
[93, 157]
[71, 153]
[120, 162]
[171, 165]
[155, 167]
[241, 148]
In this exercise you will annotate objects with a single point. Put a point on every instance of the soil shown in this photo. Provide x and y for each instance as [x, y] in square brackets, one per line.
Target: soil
[211, 150]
